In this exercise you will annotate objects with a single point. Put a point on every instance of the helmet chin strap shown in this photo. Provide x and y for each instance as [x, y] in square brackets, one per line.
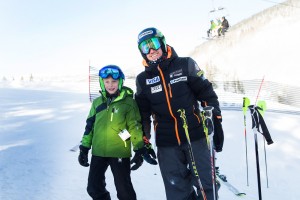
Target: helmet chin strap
[160, 59]
[155, 61]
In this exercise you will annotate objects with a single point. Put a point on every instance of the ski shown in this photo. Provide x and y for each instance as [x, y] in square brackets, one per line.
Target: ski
[75, 148]
[223, 179]
[214, 38]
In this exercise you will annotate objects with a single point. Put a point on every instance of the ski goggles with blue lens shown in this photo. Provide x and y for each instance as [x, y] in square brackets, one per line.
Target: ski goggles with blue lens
[152, 43]
[109, 71]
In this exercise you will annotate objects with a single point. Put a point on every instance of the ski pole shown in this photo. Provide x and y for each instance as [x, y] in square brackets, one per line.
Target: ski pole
[210, 128]
[246, 103]
[205, 128]
[185, 127]
[155, 149]
[255, 126]
[262, 105]
[266, 165]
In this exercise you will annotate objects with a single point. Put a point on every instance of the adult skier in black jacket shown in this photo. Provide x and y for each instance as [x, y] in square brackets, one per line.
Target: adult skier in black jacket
[170, 83]
[224, 26]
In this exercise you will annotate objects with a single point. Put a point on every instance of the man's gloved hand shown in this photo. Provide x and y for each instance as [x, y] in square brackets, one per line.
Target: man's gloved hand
[83, 156]
[137, 159]
[145, 153]
[150, 155]
[218, 133]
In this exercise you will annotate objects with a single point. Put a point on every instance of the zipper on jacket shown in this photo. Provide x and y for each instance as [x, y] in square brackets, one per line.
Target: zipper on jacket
[155, 127]
[112, 114]
[170, 90]
[199, 120]
[169, 104]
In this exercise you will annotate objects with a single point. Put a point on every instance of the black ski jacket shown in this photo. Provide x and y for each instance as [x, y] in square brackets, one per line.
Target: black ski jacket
[164, 88]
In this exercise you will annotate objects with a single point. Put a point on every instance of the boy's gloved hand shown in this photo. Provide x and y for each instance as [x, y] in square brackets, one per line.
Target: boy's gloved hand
[83, 156]
[137, 159]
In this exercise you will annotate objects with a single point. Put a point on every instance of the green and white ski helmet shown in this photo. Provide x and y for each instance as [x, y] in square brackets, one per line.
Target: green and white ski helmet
[149, 33]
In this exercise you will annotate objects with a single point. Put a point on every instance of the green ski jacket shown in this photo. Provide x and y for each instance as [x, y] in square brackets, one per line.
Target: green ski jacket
[105, 122]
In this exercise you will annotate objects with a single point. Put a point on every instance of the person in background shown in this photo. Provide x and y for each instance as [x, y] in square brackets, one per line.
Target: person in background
[212, 31]
[167, 84]
[113, 124]
[224, 26]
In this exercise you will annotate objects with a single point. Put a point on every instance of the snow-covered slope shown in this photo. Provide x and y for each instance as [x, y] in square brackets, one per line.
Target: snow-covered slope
[38, 127]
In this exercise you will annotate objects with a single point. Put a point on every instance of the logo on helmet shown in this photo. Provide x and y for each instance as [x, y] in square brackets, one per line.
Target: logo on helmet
[145, 33]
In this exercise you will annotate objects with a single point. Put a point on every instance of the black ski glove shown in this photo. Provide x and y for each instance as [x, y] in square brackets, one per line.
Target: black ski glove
[145, 153]
[218, 133]
[137, 159]
[149, 155]
[83, 156]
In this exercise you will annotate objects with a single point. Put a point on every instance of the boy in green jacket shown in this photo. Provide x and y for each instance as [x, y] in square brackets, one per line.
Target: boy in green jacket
[112, 126]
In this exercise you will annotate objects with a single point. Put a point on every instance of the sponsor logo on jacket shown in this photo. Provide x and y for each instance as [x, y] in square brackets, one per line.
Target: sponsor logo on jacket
[153, 80]
[156, 89]
[183, 78]
[176, 73]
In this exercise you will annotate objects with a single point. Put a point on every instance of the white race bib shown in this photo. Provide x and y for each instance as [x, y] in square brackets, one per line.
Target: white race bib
[124, 135]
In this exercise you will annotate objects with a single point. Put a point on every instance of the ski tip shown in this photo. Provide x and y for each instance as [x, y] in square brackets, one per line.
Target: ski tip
[241, 194]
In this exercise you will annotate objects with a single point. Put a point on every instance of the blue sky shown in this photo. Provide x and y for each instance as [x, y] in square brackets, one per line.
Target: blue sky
[64, 36]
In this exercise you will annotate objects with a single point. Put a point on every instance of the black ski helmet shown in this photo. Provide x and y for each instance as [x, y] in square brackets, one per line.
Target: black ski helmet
[151, 33]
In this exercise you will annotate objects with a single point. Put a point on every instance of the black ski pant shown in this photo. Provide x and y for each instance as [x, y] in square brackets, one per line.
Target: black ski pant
[178, 173]
[120, 168]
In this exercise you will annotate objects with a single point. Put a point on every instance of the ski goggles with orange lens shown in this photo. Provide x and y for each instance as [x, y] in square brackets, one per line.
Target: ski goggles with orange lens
[110, 71]
[152, 43]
